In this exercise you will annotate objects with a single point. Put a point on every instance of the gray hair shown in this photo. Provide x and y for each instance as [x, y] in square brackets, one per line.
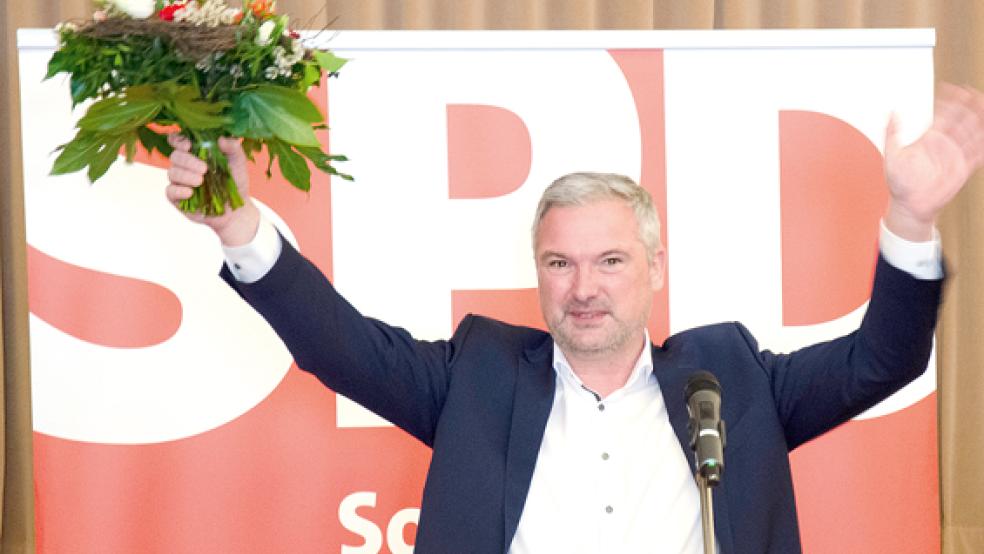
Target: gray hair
[578, 189]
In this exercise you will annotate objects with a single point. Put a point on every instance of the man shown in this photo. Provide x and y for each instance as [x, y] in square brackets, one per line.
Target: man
[575, 441]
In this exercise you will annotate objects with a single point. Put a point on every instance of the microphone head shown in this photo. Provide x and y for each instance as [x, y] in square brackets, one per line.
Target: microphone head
[701, 380]
[703, 398]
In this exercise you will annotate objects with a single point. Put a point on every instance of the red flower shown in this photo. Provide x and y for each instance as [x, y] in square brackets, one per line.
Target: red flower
[293, 34]
[167, 12]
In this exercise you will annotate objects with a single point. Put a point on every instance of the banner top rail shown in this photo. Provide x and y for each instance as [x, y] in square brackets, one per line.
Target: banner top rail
[553, 40]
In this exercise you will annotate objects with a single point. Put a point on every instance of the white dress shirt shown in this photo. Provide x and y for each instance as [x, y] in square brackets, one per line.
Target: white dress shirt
[610, 475]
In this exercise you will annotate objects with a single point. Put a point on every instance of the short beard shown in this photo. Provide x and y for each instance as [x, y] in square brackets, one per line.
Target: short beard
[623, 333]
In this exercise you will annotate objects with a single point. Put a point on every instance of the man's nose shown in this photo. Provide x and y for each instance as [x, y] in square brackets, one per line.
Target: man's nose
[585, 284]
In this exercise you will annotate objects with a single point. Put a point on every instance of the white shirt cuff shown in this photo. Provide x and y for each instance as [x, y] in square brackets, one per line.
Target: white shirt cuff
[251, 261]
[922, 260]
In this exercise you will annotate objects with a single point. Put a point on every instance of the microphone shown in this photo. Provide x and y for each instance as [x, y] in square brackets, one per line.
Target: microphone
[703, 397]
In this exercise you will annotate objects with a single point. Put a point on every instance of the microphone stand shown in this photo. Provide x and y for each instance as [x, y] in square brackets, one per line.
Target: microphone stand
[706, 512]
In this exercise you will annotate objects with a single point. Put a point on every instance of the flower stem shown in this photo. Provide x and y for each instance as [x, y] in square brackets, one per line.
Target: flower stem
[218, 190]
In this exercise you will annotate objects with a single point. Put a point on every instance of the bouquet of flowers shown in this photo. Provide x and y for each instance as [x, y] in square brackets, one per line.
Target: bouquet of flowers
[200, 66]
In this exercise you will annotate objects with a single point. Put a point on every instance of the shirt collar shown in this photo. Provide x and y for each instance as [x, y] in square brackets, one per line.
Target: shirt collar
[642, 372]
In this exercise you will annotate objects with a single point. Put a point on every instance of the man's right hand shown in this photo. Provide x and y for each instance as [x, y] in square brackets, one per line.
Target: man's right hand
[234, 227]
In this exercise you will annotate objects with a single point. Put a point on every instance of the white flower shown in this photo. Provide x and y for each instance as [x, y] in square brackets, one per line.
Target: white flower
[210, 13]
[137, 9]
[229, 16]
[264, 32]
[271, 72]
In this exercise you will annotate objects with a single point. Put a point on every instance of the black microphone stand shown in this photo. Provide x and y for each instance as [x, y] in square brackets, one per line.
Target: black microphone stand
[705, 485]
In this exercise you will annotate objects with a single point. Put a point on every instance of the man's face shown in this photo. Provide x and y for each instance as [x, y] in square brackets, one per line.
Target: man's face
[596, 284]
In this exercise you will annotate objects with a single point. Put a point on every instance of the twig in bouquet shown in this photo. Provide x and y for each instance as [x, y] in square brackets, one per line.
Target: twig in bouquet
[194, 41]
[314, 39]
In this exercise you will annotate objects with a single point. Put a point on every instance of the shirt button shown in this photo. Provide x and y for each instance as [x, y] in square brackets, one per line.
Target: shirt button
[609, 509]
[601, 407]
[237, 266]
[604, 455]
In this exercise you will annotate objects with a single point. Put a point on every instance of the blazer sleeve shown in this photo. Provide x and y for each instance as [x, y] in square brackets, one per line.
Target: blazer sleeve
[379, 366]
[821, 386]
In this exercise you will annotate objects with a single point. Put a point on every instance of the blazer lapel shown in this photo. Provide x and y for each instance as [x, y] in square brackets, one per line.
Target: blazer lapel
[532, 401]
[672, 375]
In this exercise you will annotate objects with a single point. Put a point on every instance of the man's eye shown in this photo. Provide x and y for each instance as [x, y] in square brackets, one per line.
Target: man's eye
[557, 264]
[612, 261]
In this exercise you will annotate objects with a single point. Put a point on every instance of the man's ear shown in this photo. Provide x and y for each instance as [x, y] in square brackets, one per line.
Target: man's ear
[657, 269]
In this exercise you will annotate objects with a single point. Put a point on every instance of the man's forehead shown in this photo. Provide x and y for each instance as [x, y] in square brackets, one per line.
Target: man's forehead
[595, 227]
[593, 206]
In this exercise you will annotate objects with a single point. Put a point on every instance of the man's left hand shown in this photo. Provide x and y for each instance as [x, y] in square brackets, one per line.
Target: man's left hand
[925, 175]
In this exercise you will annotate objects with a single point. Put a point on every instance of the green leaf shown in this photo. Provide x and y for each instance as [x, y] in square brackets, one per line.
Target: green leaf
[316, 155]
[76, 153]
[322, 160]
[311, 75]
[266, 111]
[270, 160]
[119, 114]
[79, 88]
[246, 122]
[329, 61]
[100, 163]
[251, 146]
[152, 140]
[130, 143]
[150, 92]
[56, 64]
[293, 167]
[293, 101]
[196, 113]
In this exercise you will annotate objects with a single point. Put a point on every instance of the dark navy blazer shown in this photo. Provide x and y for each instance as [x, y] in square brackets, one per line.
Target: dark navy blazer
[481, 399]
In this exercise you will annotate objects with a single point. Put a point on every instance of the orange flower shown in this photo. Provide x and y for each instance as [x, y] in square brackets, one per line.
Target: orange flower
[262, 8]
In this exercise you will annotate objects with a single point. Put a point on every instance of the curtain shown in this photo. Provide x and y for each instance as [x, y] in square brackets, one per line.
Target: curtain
[16, 455]
[959, 52]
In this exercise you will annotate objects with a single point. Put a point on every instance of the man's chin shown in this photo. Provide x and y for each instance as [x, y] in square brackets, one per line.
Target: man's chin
[584, 345]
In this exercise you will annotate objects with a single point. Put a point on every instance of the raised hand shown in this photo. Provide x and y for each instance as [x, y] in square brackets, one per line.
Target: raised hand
[925, 175]
[234, 227]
